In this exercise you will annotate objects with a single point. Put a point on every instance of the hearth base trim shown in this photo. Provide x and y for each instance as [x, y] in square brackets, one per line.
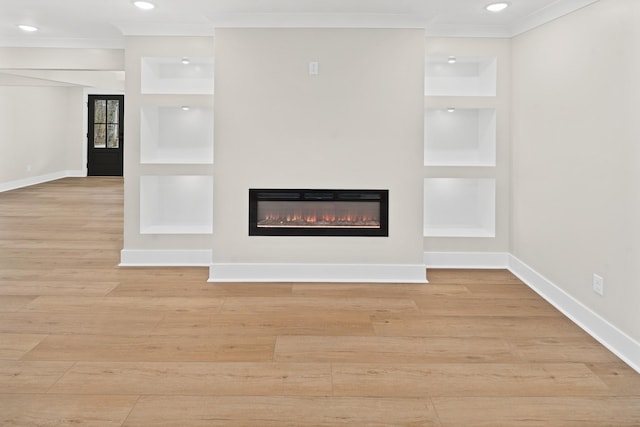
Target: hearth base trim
[335, 273]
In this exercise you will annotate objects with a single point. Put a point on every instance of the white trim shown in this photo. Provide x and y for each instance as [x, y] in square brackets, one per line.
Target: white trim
[168, 258]
[309, 20]
[369, 273]
[466, 259]
[547, 14]
[33, 180]
[76, 173]
[623, 346]
[64, 42]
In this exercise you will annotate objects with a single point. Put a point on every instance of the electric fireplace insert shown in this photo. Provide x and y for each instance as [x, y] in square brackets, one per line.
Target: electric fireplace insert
[296, 212]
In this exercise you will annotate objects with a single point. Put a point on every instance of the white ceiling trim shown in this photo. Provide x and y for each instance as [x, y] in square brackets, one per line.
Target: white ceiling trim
[452, 30]
[332, 20]
[17, 79]
[164, 29]
[84, 78]
[318, 20]
[63, 42]
[547, 14]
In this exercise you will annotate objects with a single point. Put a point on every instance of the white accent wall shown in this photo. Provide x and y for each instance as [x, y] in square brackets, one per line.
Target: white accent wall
[357, 124]
[576, 157]
[37, 133]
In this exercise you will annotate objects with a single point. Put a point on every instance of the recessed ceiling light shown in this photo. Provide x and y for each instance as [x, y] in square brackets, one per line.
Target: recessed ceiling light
[497, 7]
[28, 28]
[185, 108]
[451, 60]
[451, 109]
[144, 5]
[185, 61]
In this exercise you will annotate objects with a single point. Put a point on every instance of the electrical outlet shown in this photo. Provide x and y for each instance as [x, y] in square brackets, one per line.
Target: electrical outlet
[598, 284]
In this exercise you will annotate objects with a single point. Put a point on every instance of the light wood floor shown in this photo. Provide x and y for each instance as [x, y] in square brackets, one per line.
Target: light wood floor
[83, 342]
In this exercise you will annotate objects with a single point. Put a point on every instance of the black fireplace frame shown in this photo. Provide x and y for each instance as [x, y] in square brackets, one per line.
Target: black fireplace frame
[334, 195]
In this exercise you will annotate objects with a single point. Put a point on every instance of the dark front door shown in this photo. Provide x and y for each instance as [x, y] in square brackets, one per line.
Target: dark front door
[105, 135]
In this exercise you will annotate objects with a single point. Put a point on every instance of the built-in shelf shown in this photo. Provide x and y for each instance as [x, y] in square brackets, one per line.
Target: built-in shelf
[467, 76]
[460, 137]
[459, 207]
[169, 75]
[176, 135]
[176, 204]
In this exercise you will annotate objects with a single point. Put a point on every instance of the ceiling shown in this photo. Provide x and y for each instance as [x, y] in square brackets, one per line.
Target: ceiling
[105, 23]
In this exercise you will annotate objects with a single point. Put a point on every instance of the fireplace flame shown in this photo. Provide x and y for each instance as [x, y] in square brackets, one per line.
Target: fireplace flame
[306, 219]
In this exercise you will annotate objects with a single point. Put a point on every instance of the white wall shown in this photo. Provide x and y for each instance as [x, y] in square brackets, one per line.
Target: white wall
[358, 124]
[576, 152]
[35, 131]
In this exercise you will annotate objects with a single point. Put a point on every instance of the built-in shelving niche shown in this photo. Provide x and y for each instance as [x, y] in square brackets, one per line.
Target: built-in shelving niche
[178, 135]
[176, 204]
[460, 137]
[467, 76]
[459, 207]
[175, 75]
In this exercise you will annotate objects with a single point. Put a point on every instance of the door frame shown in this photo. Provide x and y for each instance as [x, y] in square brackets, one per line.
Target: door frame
[85, 123]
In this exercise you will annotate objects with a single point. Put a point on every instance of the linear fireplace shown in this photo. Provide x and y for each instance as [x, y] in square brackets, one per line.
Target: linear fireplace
[296, 212]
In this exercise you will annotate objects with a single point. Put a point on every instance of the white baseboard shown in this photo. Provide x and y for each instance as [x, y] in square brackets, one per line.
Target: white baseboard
[367, 273]
[33, 180]
[168, 258]
[608, 335]
[76, 173]
[466, 259]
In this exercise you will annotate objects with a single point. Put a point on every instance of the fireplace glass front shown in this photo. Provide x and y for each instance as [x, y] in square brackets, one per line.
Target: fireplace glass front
[294, 212]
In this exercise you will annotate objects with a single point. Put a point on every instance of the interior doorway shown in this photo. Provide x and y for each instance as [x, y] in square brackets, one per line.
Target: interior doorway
[105, 135]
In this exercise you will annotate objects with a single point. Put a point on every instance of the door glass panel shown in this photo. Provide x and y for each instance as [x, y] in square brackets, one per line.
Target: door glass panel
[99, 136]
[100, 113]
[113, 140]
[113, 109]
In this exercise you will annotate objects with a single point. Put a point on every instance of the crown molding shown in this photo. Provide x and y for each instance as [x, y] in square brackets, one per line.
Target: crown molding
[548, 14]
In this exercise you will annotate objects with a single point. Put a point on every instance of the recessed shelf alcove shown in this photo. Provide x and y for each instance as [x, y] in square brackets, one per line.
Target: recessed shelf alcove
[468, 76]
[459, 207]
[462, 137]
[176, 135]
[169, 75]
[176, 204]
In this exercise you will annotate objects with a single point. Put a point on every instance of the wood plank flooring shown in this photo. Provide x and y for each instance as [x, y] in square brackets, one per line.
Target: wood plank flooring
[84, 342]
